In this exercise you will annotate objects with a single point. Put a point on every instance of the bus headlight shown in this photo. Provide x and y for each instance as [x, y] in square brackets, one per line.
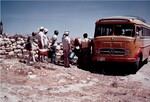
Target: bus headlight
[127, 52]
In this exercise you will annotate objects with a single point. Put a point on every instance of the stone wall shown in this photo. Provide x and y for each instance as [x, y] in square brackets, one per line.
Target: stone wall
[12, 45]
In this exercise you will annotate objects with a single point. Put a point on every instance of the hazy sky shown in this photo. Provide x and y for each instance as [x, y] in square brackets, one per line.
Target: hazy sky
[78, 17]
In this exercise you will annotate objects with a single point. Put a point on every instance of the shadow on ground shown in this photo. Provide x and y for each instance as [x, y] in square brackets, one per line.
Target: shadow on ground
[112, 69]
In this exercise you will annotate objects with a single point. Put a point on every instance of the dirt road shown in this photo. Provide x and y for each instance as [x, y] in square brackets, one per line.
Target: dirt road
[44, 82]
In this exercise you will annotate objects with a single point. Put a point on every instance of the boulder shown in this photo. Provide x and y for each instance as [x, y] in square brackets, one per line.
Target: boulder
[9, 49]
[1, 39]
[12, 40]
[19, 47]
[11, 53]
[1, 43]
[2, 52]
[5, 39]
[17, 51]
[18, 42]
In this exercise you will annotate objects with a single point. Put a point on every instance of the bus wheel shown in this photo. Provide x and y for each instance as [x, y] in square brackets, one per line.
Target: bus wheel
[96, 67]
[136, 65]
[146, 61]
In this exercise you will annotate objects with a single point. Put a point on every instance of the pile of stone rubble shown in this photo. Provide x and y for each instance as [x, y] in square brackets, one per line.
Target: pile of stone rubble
[13, 46]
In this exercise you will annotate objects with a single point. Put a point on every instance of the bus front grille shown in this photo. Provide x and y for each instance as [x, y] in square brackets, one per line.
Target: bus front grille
[112, 51]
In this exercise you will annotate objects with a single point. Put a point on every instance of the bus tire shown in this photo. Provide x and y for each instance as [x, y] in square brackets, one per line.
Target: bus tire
[146, 61]
[96, 67]
[136, 65]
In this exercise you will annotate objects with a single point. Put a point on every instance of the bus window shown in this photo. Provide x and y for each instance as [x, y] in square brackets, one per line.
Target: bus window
[103, 30]
[146, 32]
[124, 30]
[119, 30]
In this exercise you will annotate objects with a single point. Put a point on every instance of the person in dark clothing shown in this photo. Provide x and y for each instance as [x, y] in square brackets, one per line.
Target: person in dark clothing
[1, 27]
[29, 47]
[86, 50]
[77, 50]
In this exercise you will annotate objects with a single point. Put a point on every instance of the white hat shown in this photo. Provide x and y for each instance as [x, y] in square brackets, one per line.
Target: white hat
[66, 32]
[41, 28]
[46, 30]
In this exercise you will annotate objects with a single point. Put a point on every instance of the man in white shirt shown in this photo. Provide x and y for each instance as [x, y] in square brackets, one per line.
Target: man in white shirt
[40, 38]
[66, 48]
[45, 38]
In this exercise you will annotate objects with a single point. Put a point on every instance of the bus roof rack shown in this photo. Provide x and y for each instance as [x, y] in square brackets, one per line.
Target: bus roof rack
[131, 17]
[137, 17]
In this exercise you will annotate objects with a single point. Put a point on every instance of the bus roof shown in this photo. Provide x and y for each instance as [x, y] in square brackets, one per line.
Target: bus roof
[129, 19]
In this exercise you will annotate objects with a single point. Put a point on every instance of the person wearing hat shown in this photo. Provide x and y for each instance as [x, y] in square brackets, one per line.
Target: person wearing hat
[66, 41]
[54, 46]
[40, 41]
[45, 38]
[40, 38]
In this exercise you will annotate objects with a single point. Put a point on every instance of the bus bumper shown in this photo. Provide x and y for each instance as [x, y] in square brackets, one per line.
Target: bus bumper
[111, 59]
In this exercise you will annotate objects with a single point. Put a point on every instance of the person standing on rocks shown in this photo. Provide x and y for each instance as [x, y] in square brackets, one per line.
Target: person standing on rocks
[40, 38]
[29, 46]
[54, 46]
[66, 41]
[45, 38]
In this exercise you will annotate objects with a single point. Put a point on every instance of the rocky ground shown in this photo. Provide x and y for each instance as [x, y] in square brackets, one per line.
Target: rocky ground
[45, 82]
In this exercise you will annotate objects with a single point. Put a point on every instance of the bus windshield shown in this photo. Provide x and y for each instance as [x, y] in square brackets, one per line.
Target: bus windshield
[114, 29]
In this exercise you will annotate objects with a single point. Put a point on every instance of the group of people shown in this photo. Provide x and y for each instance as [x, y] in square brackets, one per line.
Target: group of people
[83, 50]
[80, 47]
[41, 41]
